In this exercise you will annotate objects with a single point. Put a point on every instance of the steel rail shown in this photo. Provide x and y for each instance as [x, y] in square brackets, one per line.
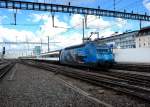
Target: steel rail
[126, 77]
[138, 91]
[5, 69]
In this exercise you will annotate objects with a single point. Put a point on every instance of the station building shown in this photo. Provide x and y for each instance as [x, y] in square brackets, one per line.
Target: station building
[125, 40]
[143, 38]
[130, 47]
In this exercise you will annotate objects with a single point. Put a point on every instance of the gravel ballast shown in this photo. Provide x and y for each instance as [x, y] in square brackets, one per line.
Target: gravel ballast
[26, 86]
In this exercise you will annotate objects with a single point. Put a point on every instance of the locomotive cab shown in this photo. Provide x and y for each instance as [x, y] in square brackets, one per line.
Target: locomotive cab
[104, 55]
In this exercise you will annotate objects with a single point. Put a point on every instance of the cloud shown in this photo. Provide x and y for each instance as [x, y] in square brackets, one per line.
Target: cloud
[47, 28]
[76, 21]
[65, 40]
[18, 11]
[95, 22]
[60, 33]
[55, 34]
[8, 34]
[38, 17]
[146, 3]
[121, 22]
[65, 37]
[14, 35]
[92, 22]
[2, 18]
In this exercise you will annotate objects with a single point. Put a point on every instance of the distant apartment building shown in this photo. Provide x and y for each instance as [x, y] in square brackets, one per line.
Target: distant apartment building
[125, 40]
[143, 38]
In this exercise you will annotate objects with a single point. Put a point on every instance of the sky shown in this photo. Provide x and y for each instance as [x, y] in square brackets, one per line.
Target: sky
[36, 26]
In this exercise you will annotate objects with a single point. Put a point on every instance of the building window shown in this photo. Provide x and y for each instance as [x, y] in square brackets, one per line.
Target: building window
[144, 44]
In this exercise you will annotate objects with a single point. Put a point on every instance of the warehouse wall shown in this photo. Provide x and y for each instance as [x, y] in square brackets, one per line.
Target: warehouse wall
[135, 55]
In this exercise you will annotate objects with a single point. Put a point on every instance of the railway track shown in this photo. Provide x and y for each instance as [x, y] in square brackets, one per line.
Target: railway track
[141, 80]
[5, 68]
[130, 84]
[116, 66]
[132, 67]
[130, 77]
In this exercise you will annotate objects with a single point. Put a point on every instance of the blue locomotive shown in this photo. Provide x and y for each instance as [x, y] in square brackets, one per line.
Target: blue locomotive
[88, 54]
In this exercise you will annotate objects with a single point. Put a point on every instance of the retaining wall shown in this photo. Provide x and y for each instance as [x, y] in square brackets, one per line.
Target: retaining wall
[133, 55]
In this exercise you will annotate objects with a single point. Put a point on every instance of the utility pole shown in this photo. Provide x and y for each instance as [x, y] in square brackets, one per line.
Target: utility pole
[48, 44]
[53, 20]
[3, 53]
[15, 17]
[27, 44]
[114, 5]
[83, 30]
[15, 14]
[99, 9]
[86, 21]
[140, 24]
[16, 39]
[41, 44]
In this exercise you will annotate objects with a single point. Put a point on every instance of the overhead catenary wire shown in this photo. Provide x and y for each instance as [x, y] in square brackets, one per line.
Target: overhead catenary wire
[56, 27]
[99, 29]
[128, 4]
[116, 4]
[131, 3]
[59, 27]
[107, 27]
[74, 27]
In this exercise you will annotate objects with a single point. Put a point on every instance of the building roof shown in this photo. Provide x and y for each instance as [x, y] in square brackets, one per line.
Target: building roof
[145, 29]
[136, 31]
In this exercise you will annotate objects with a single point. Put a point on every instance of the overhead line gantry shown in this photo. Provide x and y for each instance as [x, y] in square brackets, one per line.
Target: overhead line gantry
[33, 43]
[24, 5]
